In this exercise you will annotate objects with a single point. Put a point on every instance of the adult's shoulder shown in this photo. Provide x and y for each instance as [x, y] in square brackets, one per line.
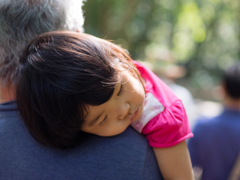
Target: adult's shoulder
[125, 156]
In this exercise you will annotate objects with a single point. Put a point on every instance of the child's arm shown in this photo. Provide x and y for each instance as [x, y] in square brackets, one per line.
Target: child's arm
[174, 162]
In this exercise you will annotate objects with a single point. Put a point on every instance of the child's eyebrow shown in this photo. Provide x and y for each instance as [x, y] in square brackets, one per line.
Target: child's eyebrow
[92, 122]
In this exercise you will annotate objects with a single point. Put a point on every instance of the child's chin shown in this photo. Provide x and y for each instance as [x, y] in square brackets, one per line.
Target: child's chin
[111, 133]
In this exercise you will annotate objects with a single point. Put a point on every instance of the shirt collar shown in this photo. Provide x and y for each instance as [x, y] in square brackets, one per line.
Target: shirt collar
[8, 106]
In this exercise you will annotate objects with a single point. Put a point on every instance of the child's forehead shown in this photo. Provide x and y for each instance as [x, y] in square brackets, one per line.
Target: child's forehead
[123, 66]
[123, 76]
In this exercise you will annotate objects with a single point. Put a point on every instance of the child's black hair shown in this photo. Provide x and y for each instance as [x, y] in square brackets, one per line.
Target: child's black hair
[60, 74]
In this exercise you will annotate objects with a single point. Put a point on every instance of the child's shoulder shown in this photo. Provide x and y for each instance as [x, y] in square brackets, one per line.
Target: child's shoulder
[155, 86]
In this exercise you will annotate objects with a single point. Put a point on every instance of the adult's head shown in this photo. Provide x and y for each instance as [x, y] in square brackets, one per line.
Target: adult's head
[231, 82]
[61, 75]
[23, 20]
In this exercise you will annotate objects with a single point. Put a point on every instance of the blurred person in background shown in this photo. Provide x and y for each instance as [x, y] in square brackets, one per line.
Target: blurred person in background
[127, 156]
[215, 146]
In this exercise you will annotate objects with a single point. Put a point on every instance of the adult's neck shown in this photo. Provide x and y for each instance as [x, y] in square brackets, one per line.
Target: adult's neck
[7, 93]
[231, 103]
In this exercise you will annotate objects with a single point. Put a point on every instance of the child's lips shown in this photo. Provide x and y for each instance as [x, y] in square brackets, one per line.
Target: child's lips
[134, 115]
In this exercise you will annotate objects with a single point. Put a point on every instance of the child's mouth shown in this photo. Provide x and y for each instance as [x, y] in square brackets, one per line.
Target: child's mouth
[134, 115]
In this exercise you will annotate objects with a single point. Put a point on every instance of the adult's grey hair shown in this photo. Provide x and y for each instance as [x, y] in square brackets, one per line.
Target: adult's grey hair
[22, 20]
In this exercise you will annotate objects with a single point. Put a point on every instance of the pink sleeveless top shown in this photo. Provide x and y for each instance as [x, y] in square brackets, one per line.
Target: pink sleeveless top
[164, 120]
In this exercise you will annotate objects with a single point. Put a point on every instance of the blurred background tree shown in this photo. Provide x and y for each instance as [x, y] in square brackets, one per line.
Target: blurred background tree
[203, 36]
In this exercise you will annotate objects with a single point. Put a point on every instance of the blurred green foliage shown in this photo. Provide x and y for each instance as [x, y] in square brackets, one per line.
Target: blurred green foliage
[202, 35]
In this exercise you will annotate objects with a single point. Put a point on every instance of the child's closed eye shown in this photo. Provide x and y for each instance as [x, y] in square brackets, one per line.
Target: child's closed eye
[102, 122]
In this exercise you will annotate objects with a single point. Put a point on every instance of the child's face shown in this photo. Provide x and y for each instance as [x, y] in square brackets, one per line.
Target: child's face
[115, 115]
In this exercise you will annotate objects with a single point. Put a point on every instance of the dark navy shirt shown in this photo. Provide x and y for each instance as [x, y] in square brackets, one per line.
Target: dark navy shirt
[216, 144]
[123, 157]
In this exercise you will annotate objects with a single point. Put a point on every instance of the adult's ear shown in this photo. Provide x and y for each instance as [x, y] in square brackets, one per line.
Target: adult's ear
[222, 92]
[224, 88]
[78, 30]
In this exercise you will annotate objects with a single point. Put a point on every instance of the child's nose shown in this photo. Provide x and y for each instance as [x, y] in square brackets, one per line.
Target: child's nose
[123, 111]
